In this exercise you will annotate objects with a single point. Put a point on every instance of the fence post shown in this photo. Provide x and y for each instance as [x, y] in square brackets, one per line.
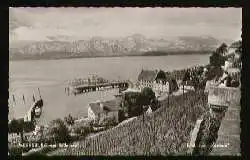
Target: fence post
[183, 94]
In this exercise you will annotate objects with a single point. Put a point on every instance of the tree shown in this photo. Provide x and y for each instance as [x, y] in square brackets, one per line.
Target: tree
[17, 126]
[69, 120]
[216, 59]
[58, 131]
[121, 115]
[222, 49]
[14, 126]
[134, 102]
[107, 121]
[130, 103]
[186, 76]
[147, 96]
[237, 46]
[83, 130]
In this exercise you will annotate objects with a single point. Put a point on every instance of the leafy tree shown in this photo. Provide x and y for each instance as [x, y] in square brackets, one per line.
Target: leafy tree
[238, 46]
[58, 131]
[121, 115]
[82, 130]
[134, 102]
[107, 122]
[29, 126]
[14, 126]
[186, 76]
[17, 126]
[222, 49]
[130, 103]
[69, 120]
[216, 59]
[147, 96]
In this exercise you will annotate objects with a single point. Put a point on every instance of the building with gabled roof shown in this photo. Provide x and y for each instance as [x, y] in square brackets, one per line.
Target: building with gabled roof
[158, 80]
[104, 109]
[155, 79]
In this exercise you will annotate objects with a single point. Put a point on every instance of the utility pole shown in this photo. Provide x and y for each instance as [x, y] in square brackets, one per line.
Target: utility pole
[183, 94]
[154, 129]
[168, 97]
[14, 99]
[23, 99]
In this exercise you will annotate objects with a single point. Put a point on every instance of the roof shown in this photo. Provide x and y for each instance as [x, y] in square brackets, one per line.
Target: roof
[110, 106]
[236, 44]
[177, 74]
[148, 75]
[131, 90]
[169, 77]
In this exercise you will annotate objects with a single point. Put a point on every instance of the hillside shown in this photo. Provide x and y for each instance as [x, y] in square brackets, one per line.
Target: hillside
[165, 132]
[133, 45]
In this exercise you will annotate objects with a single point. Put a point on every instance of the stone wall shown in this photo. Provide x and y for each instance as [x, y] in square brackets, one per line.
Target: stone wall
[223, 96]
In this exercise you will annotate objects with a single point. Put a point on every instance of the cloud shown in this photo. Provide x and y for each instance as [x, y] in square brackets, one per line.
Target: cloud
[40, 23]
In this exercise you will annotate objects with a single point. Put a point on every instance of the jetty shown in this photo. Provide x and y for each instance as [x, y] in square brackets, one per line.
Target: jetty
[98, 87]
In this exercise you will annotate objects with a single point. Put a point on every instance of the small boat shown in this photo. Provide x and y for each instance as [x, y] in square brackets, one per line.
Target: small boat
[38, 111]
[37, 108]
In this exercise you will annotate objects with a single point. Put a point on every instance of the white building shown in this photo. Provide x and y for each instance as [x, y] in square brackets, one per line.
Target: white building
[153, 79]
[158, 80]
[100, 110]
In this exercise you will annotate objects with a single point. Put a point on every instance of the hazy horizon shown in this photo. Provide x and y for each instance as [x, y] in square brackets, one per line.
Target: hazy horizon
[82, 23]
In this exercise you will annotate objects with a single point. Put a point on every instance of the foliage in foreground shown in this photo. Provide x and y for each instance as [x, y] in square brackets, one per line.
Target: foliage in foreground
[166, 131]
[208, 133]
[134, 102]
[59, 132]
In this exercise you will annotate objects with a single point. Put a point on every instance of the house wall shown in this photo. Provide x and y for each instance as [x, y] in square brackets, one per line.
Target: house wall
[155, 86]
[110, 114]
[91, 115]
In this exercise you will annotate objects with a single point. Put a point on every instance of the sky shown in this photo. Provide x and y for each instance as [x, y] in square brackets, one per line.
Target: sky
[81, 23]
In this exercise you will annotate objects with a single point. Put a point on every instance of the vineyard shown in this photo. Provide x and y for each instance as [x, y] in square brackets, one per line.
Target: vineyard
[164, 132]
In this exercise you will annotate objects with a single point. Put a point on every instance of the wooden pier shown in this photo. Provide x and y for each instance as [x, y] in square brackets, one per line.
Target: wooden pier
[97, 87]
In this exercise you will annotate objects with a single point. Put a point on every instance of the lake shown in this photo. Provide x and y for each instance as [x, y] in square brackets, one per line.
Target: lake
[51, 77]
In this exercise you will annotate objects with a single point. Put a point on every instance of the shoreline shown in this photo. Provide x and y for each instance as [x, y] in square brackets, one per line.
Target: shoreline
[114, 56]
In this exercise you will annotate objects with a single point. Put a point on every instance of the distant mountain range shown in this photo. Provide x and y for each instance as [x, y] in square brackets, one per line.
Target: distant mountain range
[134, 45]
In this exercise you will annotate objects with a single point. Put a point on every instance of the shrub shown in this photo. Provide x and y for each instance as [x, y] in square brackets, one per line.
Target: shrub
[82, 130]
[17, 150]
[16, 126]
[29, 126]
[121, 115]
[58, 131]
[107, 122]
[69, 120]
[216, 59]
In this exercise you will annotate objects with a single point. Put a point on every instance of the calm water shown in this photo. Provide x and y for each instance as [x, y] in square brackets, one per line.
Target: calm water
[50, 76]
